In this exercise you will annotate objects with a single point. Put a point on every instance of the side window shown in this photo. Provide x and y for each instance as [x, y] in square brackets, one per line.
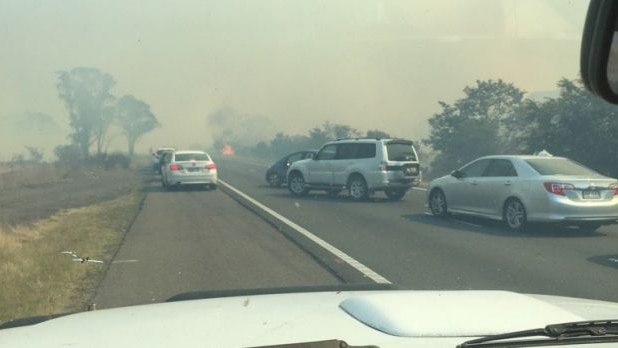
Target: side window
[500, 168]
[366, 151]
[346, 151]
[308, 155]
[475, 169]
[327, 153]
[295, 157]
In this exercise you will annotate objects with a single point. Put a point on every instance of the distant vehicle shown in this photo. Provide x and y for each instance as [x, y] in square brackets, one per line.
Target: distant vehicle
[276, 173]
[362, 166]
[156, 156]
[522, 189]
[189, 168]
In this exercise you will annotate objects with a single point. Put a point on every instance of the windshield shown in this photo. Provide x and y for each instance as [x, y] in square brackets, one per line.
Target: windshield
[559, 166]
[91, 89]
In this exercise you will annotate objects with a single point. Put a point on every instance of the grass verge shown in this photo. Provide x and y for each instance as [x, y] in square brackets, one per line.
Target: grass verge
[35, 279]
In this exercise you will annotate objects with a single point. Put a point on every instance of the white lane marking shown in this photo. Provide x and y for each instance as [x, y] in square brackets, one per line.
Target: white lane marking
[369, 273]
[419, 189]
[124, 261]
[612, 259]
[428, 213]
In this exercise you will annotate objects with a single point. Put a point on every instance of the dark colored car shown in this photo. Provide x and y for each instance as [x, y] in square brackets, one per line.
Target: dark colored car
[276, 173]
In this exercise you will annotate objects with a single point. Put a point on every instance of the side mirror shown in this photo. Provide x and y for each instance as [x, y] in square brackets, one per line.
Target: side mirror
[599, 50]
[456, 174]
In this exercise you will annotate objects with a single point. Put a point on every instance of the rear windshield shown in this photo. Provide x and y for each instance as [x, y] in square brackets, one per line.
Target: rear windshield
[559, 166]
[185, 157]
[400, 152]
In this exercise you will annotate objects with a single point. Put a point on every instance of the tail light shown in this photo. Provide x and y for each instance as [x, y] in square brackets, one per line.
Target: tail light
[211, 166]
[174, 167]
[383, 166]
[615, 188]
[558, 187]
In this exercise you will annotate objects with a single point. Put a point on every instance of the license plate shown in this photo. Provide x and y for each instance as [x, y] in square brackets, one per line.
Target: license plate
[591, 195]
[193, 169]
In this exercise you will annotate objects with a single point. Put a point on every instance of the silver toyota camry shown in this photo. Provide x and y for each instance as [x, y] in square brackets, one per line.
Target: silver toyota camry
[522, 189]
[188, 168]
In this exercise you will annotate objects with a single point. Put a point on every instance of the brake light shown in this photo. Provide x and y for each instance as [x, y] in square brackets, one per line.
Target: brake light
[174, 167]
[211, 166]
[558, 188]
[615, 188]
[383, 166]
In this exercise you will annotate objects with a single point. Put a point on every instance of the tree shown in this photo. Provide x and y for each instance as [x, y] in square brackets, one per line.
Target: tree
[34, 155]
[377, 134]
[576, 125]
[474, 125]
[134, 118]
[86, 95]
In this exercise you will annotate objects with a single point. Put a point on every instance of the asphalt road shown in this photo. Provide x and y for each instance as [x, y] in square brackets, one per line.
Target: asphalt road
[195, 240]
[414, 250]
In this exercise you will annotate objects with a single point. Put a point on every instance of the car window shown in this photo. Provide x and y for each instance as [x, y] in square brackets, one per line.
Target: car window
[475, 169]
[365, 151]
[559, 166]
[184, 157]
[295, 157]
[345, 151]
[500, 168]
[308, 155]
[327, 153]
[400, 152]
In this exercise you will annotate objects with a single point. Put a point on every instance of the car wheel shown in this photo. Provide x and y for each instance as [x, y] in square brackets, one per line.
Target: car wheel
[437, 203]
[395, 195]
[357, 188]
[213, 186]
[296, 184]
[274, 180]
[515, 216]
[589, 227]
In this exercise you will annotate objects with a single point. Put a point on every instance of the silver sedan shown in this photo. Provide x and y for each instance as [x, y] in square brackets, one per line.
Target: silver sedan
[189, 168]
[522, 189]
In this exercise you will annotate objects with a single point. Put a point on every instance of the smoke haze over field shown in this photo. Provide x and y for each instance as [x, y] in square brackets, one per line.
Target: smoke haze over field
[275, 64]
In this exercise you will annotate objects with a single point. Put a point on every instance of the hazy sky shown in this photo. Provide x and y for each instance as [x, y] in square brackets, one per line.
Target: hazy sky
[367, 63]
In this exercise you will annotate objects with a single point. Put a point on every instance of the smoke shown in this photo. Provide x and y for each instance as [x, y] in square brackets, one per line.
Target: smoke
[228, 125]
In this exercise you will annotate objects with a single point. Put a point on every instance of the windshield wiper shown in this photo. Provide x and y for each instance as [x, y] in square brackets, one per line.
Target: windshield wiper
[597, 331]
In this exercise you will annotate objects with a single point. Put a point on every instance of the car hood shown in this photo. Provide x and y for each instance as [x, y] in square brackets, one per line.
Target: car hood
[382, 318]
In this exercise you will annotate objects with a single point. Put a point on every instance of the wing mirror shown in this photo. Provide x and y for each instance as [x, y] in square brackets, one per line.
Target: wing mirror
[456, 173]
[599, 50]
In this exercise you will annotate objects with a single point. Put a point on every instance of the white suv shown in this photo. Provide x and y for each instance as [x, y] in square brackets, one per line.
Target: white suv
[362, 166]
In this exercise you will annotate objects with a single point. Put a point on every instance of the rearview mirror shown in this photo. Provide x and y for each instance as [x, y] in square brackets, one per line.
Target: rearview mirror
[456, 174]
[599, 50]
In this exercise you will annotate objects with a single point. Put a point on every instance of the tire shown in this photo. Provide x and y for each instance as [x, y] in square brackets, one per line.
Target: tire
[357, 188]
[213, 187]
[437, 203]
[274, 180]
[395, 195]
[514, 215]
[296, 184]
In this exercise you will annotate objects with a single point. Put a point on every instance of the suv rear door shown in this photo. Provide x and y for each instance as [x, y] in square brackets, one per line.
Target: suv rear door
[344, 159]
[402, 159]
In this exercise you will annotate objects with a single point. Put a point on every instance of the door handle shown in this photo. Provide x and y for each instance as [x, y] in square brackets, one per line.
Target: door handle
[474, 182]
[508, 183]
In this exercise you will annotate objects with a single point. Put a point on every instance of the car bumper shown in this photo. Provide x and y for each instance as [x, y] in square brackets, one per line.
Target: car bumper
[193, 179]
[388, 181]
[562, 209]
